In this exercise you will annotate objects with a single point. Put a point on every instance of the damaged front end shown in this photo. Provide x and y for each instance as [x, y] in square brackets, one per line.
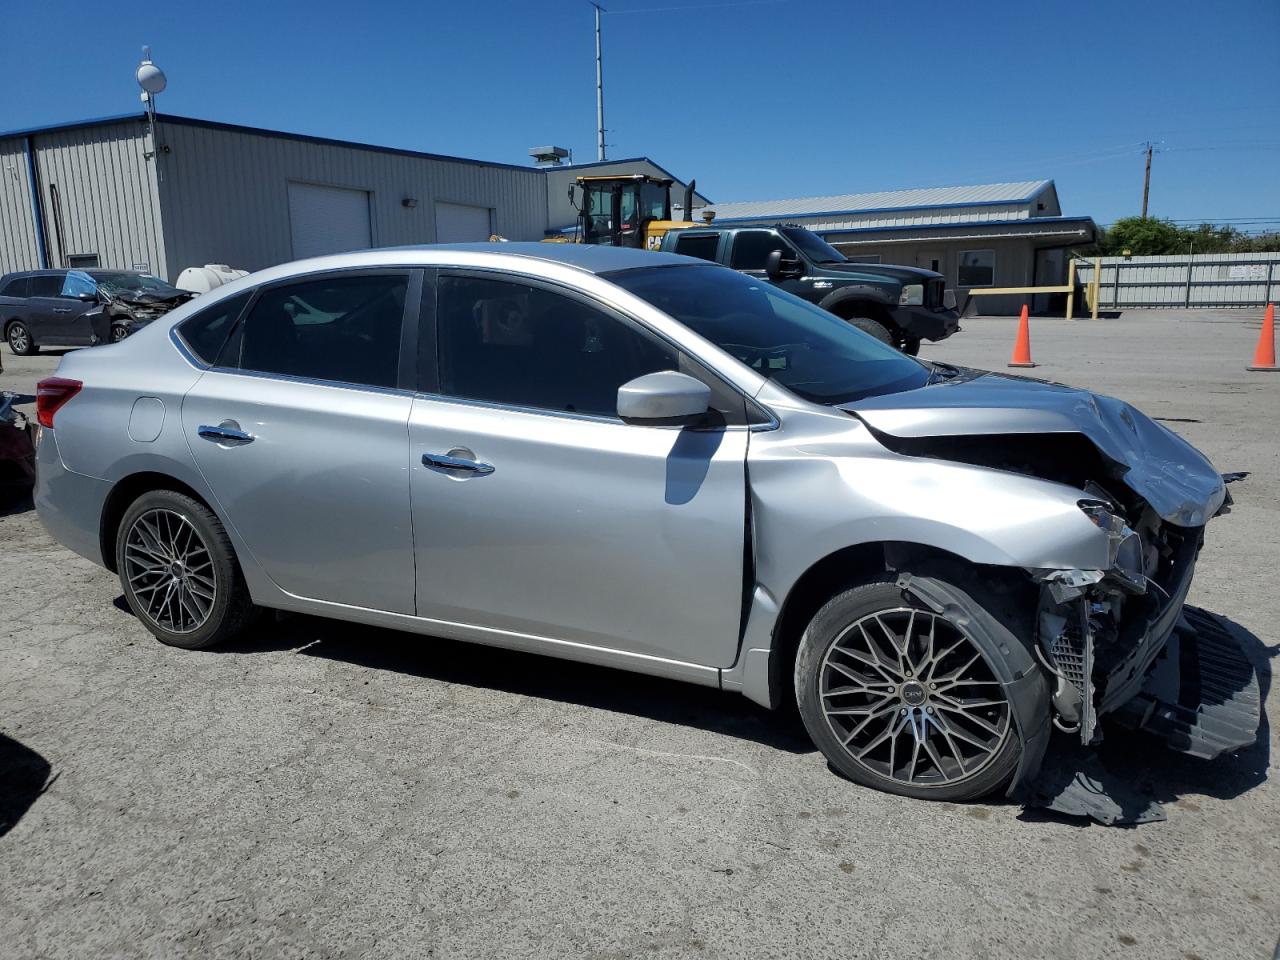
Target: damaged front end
[1113, 640]
[1099, 631]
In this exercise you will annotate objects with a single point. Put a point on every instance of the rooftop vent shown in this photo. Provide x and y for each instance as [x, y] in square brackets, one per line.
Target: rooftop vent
[548, 156]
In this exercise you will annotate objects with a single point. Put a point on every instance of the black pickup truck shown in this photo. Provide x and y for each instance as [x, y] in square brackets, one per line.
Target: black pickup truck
[899, 305]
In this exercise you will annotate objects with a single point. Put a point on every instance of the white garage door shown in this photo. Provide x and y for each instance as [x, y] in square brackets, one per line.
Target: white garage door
[461, 223]
[328, 219]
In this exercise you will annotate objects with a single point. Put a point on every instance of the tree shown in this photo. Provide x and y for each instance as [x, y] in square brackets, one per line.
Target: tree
[1151, 237]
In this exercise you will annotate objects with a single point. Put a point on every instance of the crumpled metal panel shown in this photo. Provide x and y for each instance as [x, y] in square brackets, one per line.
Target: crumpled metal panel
[1158, 465]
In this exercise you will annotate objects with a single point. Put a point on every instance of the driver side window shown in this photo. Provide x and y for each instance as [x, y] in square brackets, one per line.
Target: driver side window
[752, 247]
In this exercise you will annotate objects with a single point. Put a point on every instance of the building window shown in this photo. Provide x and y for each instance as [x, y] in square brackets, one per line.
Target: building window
[864, 258]
[82, 261]
[977, 268]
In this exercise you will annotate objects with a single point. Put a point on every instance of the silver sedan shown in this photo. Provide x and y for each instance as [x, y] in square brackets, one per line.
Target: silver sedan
[646, 462]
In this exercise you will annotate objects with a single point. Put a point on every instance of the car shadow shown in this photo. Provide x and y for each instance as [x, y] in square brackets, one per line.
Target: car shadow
[1147, 770]
[24, 775]
[531, 675]
[15, 503]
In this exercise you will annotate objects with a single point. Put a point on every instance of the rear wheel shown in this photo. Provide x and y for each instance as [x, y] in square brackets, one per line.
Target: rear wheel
[118, 332]
[179, 573]
[20, 340]
[907, 700]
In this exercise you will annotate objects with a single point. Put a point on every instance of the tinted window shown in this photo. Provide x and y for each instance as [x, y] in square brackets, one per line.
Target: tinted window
[15, 288]
[752, 247]
[78, 283]
[345, 329]
[519, 345]
[206, 331]
[813, 353]
[977, 268]
[700, 245]
[45, 285]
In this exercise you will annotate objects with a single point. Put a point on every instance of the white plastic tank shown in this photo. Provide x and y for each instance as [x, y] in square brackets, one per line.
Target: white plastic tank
[209, 277]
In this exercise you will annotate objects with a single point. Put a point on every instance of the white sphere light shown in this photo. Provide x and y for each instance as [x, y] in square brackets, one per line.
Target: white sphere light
[151, 78]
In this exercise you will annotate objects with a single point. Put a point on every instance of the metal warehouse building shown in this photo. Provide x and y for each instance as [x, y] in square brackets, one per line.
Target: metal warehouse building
[98, 193]
[988, 235]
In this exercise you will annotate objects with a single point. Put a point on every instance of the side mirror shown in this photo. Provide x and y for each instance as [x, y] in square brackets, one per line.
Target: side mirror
[87, 297]
[666, 398]
[778, 268]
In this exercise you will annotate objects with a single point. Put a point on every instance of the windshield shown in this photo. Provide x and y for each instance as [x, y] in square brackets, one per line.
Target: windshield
[117, 284]
[812, 353]
[813, 246]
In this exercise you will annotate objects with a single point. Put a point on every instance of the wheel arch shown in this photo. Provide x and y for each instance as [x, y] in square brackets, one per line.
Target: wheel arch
[1009, 590]
[850, 303]
[126, 491]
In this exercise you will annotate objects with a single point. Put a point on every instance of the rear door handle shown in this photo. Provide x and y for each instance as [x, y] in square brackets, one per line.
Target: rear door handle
[446, 462]
[224, 433]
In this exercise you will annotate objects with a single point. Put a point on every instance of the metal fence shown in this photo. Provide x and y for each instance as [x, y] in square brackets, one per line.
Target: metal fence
[1199, 280]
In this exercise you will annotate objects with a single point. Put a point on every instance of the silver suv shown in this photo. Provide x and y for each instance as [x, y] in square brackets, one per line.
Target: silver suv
[643, 461]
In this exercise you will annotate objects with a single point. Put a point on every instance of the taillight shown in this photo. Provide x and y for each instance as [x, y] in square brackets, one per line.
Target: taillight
[51, 394]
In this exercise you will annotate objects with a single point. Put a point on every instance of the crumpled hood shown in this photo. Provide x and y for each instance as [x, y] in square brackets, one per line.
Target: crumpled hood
[1177, 480]
[150, 298]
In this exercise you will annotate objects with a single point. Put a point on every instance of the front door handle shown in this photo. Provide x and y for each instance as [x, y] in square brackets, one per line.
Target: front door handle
[226, 432]
[61, 309]
[447, 462]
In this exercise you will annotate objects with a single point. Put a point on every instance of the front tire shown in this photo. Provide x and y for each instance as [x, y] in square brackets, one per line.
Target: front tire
[907, 700]
[20, 340]
[118, 332]
[179, 573]
[873, 327]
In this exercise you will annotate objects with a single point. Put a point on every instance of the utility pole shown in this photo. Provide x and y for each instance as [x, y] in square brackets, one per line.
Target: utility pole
[600, 90]
[1146, 182]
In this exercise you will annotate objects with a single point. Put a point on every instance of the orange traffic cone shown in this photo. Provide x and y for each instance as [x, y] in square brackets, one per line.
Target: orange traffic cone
[1264, 357]
[1022, 346]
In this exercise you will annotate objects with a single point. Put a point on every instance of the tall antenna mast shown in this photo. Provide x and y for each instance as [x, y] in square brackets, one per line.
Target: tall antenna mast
[599, 88]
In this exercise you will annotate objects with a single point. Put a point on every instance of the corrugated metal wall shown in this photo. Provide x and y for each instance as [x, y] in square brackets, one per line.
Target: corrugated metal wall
[225, 194]
[107, 202]
[902, 218]
[18, 249]
[1201, 280]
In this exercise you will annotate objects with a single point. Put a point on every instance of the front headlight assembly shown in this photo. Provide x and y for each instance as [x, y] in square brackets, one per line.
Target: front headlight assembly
[1124, 546]
[912, 295]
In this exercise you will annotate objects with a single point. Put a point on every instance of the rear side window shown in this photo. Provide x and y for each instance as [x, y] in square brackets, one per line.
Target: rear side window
[207, 331]
[340, 328]
[14, 288]
[700, 245]
[45, 285]
[752, 247]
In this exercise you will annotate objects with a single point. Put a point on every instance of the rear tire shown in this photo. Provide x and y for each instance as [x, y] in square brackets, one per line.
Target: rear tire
[906, 700]
[118, 332]
[179, 573]
[20, 340]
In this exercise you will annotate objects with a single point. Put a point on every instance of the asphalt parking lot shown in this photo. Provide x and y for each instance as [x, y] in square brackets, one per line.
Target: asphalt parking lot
[331, 790]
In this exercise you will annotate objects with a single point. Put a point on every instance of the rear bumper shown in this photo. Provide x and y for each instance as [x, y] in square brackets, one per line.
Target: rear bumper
[69, 504]
[926, 324]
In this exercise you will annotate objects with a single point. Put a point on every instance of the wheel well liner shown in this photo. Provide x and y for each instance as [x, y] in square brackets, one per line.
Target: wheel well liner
[1009, 594]
[124, 493]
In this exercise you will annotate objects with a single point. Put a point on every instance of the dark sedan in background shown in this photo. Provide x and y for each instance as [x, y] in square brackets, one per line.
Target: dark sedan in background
[73, 308]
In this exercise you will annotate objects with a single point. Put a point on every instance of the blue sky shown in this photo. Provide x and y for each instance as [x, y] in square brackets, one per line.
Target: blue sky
[757, 99]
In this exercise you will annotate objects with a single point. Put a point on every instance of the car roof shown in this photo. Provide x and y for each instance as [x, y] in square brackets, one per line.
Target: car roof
[583, 256]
